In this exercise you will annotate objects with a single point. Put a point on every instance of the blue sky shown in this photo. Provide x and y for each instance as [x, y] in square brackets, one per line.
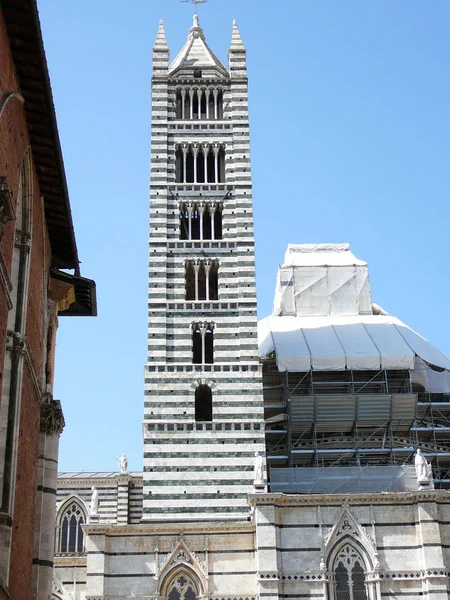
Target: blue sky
[350, 143]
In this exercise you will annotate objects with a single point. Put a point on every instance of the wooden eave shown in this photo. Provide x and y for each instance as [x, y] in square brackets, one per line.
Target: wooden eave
[22, 23]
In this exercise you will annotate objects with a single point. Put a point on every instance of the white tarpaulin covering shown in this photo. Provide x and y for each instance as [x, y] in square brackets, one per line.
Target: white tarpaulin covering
[334, 343]
[322, 279]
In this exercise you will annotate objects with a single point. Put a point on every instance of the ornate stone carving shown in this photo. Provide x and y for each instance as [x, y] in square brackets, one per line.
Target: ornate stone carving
[347, 526]
[22, 239]
[6, 206]
[52, 418]
[182, 555]
[58, 588]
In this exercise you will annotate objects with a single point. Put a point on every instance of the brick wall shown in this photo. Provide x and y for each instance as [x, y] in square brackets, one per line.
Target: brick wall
[14, 142]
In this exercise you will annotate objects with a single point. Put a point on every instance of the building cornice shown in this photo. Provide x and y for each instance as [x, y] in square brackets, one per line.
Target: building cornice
[438, 496]
[206, 528]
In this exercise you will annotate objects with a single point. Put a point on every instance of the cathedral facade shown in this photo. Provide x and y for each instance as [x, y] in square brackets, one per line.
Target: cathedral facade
[284, 470]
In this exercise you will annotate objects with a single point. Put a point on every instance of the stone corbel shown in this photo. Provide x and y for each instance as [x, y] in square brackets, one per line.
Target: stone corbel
[52, 418]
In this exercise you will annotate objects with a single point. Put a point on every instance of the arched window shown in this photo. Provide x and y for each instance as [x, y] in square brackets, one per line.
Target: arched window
[202, 280]
[69, 533]
[349, 574]
[203, 403]
[200, 221]
[221, 165]
[190, 280]
[200, 163]
[181, 587]
[203, 343]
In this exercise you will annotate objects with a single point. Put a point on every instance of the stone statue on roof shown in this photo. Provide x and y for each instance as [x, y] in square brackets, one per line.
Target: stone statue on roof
[258, 470]
[123, 463]
[93, 507]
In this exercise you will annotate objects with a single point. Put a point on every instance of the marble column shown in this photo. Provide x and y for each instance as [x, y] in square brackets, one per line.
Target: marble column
[51, 426]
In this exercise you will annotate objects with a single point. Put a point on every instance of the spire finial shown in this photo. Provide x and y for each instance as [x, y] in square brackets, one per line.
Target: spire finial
[236, 40]
[161, 41]
[196, 30]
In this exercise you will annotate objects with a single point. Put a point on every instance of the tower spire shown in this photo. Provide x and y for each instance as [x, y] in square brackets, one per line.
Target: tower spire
[161, 41]
[236, 40]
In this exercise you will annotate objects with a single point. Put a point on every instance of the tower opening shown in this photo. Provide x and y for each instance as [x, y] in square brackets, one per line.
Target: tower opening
[189, 167]
[209, 345]
[178, 105]
[195, 223]
[179, 175]
[203, 105]
[211, 105]
[221, 165]
[210, 168]
[207, 223]
[220, 105]
[213, 281]
[201, 281]
[195, 103]
[203, 403]
[201, 166]
[184, 222]
[218, 223]
[197, 346]
[190, 281]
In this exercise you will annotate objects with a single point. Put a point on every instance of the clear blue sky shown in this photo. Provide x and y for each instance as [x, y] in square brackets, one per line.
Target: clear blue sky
[349, 108]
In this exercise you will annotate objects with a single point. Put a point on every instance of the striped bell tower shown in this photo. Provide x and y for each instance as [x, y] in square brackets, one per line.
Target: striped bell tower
[203, 416]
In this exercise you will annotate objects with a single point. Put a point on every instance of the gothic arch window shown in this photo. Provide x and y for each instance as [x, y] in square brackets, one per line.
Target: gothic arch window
[69, 533]
[199, 103]
[203, 403]
[202, 280]
[349, 567]
[200, 220]
[203, 343]
[200, 163]
[181, 586]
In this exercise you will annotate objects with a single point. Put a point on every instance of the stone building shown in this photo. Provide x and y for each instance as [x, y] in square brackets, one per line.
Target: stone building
[284, 470]
[36, 243]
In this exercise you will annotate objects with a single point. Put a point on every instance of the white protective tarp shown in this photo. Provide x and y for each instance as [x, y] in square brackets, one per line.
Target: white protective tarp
[334, 343]
[320, 280]
[432, 380]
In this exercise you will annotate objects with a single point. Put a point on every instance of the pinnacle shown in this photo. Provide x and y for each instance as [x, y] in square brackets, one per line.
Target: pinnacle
[196, 30]
[161, 41]
[236, 40]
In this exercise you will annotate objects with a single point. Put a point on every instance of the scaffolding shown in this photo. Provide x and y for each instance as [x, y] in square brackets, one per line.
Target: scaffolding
[353, 418]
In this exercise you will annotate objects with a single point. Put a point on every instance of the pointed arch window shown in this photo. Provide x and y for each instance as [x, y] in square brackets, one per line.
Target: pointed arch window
[203, 343]
[182, 587]
[70, 537]
[200, 220]
[199, 102]
[349, 574]
[202, 281]
[200, 163]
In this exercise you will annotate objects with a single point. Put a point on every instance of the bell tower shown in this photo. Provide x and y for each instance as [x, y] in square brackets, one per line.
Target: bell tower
[203, 415]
